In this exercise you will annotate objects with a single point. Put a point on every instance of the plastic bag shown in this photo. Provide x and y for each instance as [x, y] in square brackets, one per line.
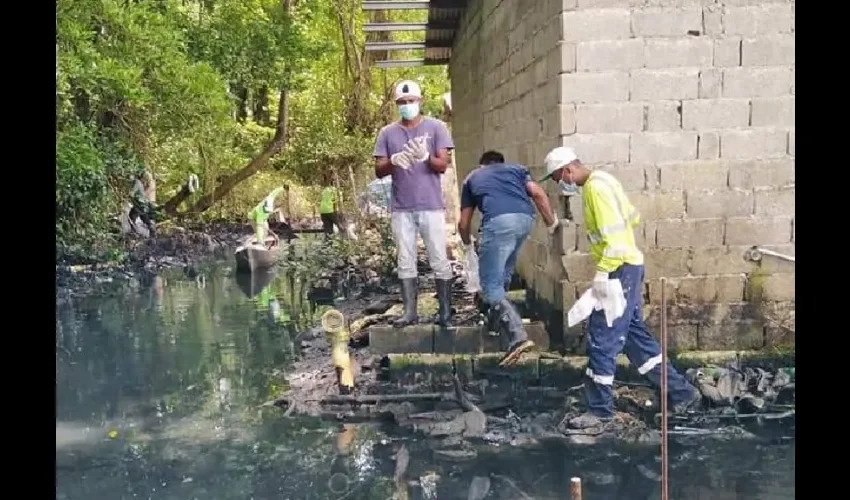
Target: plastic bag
[473, 284]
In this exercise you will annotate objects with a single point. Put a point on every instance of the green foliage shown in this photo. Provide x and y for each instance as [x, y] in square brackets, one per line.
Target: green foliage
[192, 87]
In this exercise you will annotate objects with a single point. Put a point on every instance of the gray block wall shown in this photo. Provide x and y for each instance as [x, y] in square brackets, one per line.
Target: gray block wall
[690, 103]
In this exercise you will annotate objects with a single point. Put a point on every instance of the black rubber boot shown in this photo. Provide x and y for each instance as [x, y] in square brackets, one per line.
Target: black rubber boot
[444, 297]
[409, 295]
[511, 323]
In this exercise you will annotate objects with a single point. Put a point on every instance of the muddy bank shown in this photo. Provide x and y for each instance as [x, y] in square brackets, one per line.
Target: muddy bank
[176, 246]
[460, 403]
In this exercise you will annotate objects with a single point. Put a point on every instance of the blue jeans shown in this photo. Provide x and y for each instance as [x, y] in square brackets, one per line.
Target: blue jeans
[628, 334]
[501, 239]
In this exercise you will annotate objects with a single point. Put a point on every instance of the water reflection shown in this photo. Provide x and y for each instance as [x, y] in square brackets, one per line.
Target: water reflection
[159, 393]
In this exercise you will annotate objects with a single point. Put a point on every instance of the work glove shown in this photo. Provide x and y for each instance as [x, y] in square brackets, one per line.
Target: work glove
[402, 160]
[554, 227]
[417, 149]
[600, 285]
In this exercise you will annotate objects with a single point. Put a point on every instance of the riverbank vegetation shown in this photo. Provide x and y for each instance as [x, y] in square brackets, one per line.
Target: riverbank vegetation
[245, 94]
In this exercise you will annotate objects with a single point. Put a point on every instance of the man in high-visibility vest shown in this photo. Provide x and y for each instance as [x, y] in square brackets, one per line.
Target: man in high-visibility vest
[329, 209]
[610, 219]
[259, 216]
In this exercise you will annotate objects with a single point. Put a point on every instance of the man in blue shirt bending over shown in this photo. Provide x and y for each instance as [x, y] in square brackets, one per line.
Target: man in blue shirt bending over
[506, 196]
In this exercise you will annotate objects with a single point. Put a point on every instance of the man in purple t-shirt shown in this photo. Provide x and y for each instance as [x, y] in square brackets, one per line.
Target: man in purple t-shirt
[415, 151]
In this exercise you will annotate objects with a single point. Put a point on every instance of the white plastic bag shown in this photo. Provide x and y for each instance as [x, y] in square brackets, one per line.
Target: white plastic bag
[473, 284]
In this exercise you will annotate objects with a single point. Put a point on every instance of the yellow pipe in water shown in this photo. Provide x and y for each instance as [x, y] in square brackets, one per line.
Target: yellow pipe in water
[333, 322]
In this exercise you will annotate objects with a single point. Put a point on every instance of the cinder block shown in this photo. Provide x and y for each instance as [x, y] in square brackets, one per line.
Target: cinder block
[792, 142]
[563, 58]
[596, 24]
[753, 143]
[654, 205]
[689, 233]
[656, 84]
[707, 204]
[727, 52]
[615, 117]
[719, 260]
[658, 147]
[774, 202]
[666, 22]
[579, 267]
[678, 52]
[388, 339]
[631, 176]
[603, 55]
[667, 262]
[711, 289]
[769, 50]
[708, 145]
[715, 113]
[710, 83]
[773, 287]
[761, 173]
[729, 334]
[777, 336]
[753, 82]
[566, 119]
[457, 340]
[694, 174]
[663, 116]
[712, 20]
[594, 87]
[567, 240]
[757, 20]
[599, 148]
[774, 111]
[758, 230]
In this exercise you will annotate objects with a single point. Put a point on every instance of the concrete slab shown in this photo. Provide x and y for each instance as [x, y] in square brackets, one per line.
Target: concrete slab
[457, 340]
[410, 339]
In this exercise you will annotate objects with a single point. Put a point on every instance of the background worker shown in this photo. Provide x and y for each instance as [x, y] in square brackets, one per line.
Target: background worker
[506, 196]
[259, 216]
[329, 209]
[415, 151]
[142, 198]
[610, 219]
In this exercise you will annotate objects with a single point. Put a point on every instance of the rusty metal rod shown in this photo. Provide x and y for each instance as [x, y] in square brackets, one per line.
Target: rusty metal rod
[664, 461]
[575, 488]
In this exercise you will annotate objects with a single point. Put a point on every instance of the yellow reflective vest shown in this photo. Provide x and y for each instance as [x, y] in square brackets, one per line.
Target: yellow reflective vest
[610, 219]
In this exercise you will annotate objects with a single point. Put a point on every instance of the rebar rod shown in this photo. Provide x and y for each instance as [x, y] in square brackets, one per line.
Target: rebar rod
[664, 461]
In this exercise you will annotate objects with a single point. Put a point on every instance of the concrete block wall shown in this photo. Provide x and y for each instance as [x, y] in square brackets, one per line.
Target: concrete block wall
[690, 103]
[505, 70]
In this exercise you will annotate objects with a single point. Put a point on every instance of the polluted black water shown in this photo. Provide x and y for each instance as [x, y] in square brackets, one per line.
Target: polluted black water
[160, 392]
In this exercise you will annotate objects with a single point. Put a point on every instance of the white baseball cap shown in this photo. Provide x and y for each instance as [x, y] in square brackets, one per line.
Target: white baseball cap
[558, 158]
[407, 88]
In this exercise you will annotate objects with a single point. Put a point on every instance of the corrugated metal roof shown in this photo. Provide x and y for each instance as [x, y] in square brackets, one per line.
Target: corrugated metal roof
[443, 19]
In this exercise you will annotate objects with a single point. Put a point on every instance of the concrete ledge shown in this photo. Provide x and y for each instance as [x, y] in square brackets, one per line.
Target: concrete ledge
[430, 339]
[555, 372]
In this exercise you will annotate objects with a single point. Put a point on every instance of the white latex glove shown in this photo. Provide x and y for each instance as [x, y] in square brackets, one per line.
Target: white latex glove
[555, 225]
[600, 285]
[417, 150]
[402, 160]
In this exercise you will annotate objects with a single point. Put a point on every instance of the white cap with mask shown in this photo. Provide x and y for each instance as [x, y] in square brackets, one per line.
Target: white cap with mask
[559, 158]
[408, 88]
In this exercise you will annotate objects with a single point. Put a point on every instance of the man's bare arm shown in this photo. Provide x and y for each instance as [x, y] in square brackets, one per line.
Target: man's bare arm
[541, 201]
[439, 162]
[464, 224]
[383, 167]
